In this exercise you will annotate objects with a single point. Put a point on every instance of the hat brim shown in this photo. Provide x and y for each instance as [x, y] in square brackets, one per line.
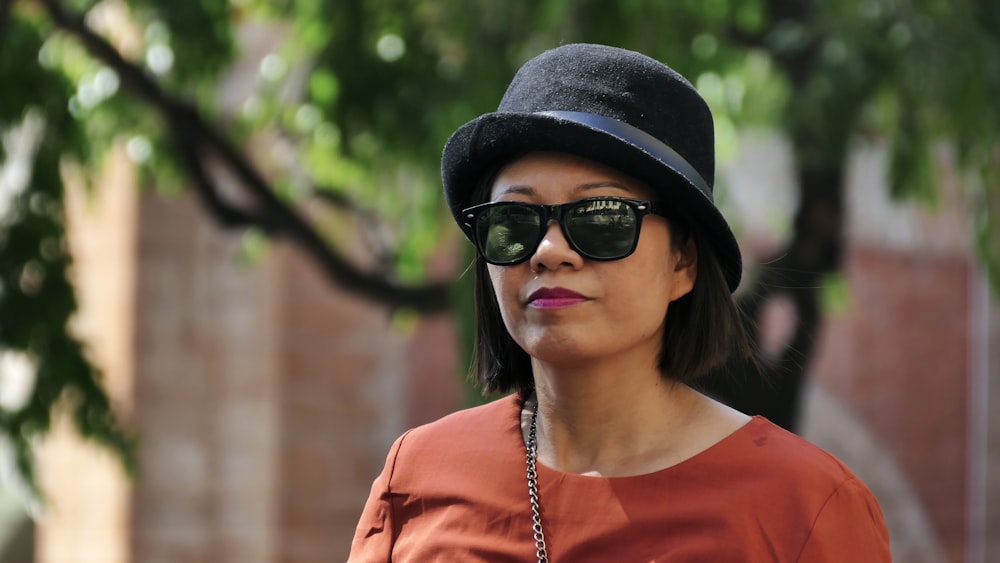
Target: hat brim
[496, 138]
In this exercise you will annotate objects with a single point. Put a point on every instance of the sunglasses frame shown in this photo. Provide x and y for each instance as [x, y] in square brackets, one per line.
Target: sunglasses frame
[549, 213]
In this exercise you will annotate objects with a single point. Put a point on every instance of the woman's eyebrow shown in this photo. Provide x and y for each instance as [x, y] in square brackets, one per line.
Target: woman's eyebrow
[517, 189]
[526, 190]
[602, 184]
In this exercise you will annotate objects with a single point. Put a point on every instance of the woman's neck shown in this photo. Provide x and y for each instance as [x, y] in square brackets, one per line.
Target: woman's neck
[629, 420]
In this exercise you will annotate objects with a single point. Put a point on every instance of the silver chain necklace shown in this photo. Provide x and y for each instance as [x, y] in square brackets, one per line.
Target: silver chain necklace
[536, 509]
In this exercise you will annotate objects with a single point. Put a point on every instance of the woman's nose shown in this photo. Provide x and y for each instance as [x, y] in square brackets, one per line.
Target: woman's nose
[554, 251]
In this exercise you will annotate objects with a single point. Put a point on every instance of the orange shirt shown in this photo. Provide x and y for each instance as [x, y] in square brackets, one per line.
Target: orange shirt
[456, 490]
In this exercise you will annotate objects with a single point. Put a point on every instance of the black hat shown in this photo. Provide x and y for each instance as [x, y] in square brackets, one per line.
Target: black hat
[617, 107]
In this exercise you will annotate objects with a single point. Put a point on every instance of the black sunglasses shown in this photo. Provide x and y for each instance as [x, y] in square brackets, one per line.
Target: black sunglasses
[598, 228]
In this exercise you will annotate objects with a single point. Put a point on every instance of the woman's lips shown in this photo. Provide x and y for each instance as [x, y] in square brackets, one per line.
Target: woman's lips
[554, 298]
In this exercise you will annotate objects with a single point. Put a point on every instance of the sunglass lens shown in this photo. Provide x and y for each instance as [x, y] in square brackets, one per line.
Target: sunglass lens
[602, 229]
[508, 233]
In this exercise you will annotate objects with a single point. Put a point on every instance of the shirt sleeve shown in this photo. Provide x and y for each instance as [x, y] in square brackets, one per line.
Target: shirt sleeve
[375, 535]
[849, 527]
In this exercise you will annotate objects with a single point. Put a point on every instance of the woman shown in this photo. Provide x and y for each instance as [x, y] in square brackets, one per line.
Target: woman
[603, 292]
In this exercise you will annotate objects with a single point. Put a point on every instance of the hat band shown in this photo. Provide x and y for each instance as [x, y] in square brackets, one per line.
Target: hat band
[639, 139]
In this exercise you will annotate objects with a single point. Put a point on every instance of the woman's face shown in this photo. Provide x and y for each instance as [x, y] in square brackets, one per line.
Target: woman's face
[562, 308]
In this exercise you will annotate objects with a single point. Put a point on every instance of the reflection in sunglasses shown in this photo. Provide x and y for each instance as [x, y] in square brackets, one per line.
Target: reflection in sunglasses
[600, 204]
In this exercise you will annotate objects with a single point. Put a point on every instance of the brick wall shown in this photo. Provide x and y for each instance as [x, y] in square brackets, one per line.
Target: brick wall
[898, 358]
[990, 404]
[341, 400]
[270, 397]
[266, 398]
[205, 390]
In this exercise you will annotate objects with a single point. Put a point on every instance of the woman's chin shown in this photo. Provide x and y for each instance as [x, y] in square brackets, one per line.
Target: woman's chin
[559, 350]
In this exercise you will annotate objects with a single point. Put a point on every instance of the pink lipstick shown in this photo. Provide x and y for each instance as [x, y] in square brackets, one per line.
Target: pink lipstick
[554, 298]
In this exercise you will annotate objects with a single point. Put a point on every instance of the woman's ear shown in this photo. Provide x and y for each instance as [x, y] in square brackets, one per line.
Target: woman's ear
[685, 269]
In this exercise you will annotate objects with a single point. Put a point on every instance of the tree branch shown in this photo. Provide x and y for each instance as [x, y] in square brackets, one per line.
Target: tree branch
[373, 227]
[225, 214]
[195, 140]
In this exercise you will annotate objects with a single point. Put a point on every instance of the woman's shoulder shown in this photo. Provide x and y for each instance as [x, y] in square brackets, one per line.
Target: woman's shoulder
[477, 441]
[469, 431]
[799, 478]
[771, 444]
[766, 455]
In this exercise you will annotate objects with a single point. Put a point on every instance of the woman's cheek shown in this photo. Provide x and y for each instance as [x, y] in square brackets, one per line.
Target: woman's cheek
[505, 290]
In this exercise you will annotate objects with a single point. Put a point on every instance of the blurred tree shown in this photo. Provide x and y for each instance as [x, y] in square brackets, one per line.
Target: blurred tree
[364, 93]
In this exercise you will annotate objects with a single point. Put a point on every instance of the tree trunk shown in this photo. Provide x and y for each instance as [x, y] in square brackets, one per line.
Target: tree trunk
[773, 388]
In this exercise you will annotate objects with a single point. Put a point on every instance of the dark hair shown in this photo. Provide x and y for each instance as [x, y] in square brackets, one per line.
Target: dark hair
[702, 331]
